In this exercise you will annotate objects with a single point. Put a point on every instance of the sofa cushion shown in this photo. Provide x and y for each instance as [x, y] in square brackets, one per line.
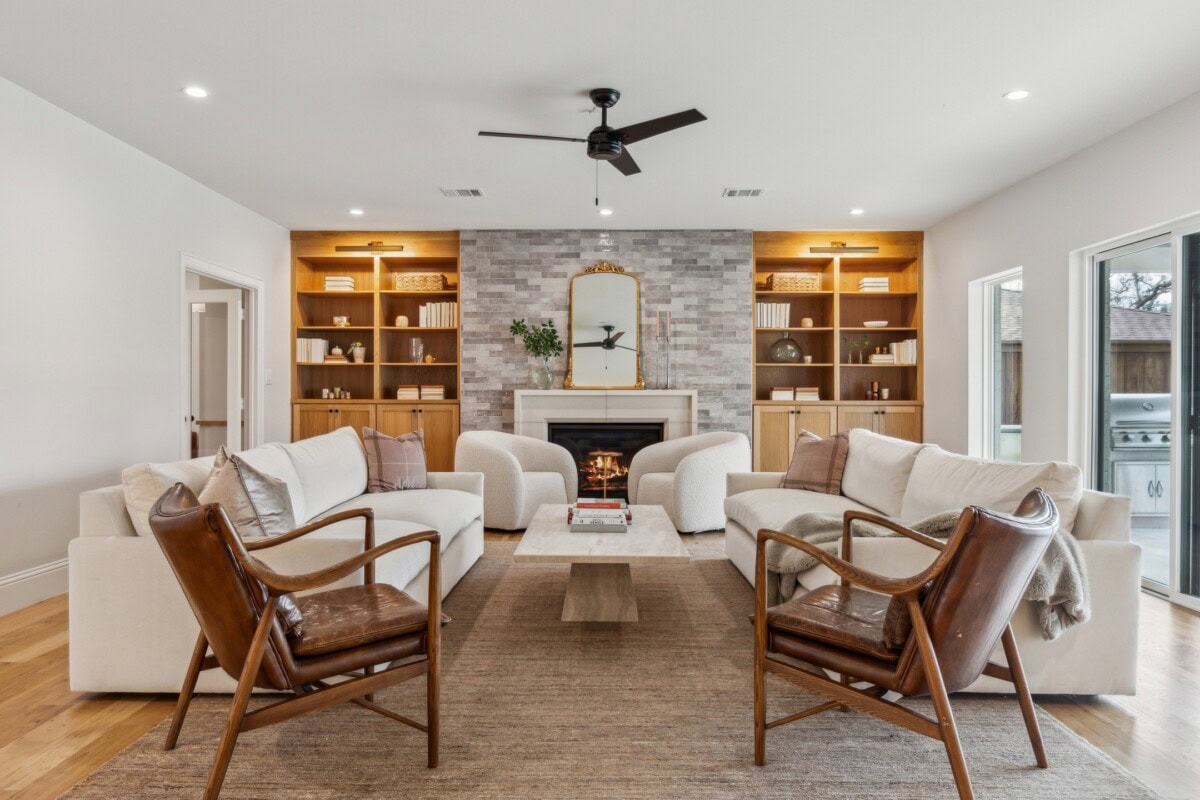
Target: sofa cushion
[145, 483]
[395, 463]
[942, 481]
[877, 470]
[773, 508]
[398, 567]
[331, 468]
[257, 504]
[447, 511]
[817, 463]
[543, 488]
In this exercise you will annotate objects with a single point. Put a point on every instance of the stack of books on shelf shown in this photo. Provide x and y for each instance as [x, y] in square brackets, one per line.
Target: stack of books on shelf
[408, 392]
[772, 315]
[803, 393]
[904, 352]
[433, 392]
[438, 315]
[339, 283]
[874, 284]
[311, 351]
[881, 358]
[599, 516]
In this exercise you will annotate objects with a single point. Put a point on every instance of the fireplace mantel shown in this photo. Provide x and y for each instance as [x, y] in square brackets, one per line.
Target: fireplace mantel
[534, 409]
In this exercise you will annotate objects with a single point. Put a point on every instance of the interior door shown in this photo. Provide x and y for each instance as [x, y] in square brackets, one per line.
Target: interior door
[216, 404]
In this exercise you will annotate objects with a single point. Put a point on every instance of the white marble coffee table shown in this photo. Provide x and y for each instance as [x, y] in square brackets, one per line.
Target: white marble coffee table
[600, 588]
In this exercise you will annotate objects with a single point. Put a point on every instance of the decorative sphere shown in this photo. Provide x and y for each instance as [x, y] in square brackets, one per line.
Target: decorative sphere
[785, 350]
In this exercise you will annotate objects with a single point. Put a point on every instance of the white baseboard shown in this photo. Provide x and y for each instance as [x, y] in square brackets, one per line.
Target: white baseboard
[29, 586]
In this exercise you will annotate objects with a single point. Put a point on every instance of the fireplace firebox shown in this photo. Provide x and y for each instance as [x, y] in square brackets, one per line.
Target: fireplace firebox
[603, 452]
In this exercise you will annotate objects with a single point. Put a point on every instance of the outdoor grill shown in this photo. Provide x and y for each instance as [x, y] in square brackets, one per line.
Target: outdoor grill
[1140, 451]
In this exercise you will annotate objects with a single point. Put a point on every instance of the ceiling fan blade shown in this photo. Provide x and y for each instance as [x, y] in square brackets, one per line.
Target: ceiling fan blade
[615, 336]
[630, 349]
[644, 130]
[625, 163]
[588, 344]
[530, 136]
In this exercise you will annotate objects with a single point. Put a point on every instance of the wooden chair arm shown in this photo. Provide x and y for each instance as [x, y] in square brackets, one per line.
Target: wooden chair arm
[278, 584]
[847, 571]
[884, 522]
[367, 513]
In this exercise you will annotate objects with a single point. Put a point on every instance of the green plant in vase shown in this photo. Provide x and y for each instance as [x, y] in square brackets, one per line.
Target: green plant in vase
[854, 347]
[542, 341]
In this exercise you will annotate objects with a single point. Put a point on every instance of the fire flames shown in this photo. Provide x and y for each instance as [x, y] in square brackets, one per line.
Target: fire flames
[603, 471]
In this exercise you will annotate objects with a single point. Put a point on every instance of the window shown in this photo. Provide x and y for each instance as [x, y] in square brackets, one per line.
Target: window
[995, 366]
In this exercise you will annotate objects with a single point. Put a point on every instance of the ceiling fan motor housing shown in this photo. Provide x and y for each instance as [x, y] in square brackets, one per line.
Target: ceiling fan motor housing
[602, 146]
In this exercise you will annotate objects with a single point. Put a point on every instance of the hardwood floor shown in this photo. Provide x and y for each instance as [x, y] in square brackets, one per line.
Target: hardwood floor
[51, 737]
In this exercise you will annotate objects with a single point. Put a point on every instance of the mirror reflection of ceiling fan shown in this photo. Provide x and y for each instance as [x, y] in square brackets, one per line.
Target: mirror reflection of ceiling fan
[610, 340]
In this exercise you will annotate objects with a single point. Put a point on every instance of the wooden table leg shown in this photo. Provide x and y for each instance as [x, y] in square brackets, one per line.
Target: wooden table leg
[600, 593]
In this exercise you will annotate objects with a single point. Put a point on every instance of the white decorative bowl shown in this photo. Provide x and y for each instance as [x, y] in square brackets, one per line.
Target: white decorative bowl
[875, 323]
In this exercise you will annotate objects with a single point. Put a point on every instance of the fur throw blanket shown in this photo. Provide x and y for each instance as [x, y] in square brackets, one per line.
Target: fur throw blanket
[1058, 588]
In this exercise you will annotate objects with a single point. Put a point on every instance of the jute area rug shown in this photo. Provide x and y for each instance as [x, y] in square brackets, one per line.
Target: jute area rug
[536, 708]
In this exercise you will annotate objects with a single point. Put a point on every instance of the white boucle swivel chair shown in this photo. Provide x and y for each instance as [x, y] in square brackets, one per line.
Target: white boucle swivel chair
[686, 476]
[520, 473]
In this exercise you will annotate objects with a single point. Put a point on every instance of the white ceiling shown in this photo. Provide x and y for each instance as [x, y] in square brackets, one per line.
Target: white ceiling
[319, 106]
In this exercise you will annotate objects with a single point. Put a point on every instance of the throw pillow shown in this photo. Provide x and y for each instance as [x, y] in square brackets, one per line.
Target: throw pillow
[395, 462]
[817, 463]
[257, 504]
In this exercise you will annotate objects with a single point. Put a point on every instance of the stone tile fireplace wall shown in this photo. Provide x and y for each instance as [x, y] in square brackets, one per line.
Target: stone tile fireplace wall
[702, 277]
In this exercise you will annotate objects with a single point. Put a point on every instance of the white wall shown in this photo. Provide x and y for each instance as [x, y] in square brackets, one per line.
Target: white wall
[1143, 176]
[91, 232]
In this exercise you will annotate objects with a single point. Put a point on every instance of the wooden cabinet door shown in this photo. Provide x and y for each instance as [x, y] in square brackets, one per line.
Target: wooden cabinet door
[774, 437]
[857, 417]
[820, 420]
[357, 417]
[312, 419]
[899, 422]
[394, 420]
[440, 424]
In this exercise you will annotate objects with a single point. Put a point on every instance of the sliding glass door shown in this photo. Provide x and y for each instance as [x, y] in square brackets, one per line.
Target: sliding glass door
[1133, 436]
[1189, 422]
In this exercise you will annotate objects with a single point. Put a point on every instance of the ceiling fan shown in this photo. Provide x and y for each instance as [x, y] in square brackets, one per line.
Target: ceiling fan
[609, 342]
[608, 144]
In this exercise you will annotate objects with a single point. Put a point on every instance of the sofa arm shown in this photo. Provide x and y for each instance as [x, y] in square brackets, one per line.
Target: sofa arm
[102, 513]
[737, 482]
[700, 484]
[503, 487]
[470, 482]
[660, 457]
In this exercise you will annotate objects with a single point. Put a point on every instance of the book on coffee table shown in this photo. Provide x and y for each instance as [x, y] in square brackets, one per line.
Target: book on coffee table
[599, 516]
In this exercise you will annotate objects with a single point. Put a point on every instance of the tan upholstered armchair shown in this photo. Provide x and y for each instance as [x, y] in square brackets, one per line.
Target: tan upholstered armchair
[244, 608]
[929, 634]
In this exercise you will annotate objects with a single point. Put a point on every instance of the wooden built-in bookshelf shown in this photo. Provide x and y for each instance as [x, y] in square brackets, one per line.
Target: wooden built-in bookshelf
[372, 307]
[838, 310]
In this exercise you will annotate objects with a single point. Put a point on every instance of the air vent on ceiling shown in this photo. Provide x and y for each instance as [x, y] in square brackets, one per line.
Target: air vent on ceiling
[463, 192]
[741, 192]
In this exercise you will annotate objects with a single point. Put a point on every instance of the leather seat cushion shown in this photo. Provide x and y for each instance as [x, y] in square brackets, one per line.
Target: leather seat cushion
[356, 615]
[840, 615]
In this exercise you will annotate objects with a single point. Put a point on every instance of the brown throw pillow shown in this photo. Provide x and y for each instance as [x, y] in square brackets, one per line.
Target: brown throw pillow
[817, 463]
[395, 462]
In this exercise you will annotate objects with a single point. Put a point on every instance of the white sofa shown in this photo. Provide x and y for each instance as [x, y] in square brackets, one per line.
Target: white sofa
[131, 630]
[686, 476]
[521, 473]
[908, 482]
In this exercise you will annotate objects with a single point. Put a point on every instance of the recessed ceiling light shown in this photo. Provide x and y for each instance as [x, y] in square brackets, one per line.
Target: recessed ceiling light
[1017, 94]
[358, 212]
[858, 212]
[198, 92]
[606, 212]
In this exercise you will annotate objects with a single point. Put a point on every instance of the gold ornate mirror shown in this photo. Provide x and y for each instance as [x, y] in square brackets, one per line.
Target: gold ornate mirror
[604, 349]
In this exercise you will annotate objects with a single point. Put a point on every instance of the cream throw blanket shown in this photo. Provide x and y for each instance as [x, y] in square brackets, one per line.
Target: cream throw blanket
[1059, 586]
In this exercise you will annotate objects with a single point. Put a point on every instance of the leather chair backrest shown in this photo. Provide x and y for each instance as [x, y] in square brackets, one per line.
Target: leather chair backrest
[198, 542]
[976, 595]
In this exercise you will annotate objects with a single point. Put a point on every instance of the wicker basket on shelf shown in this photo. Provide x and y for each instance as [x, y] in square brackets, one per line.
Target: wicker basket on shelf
[794, 281]
[418, 281]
